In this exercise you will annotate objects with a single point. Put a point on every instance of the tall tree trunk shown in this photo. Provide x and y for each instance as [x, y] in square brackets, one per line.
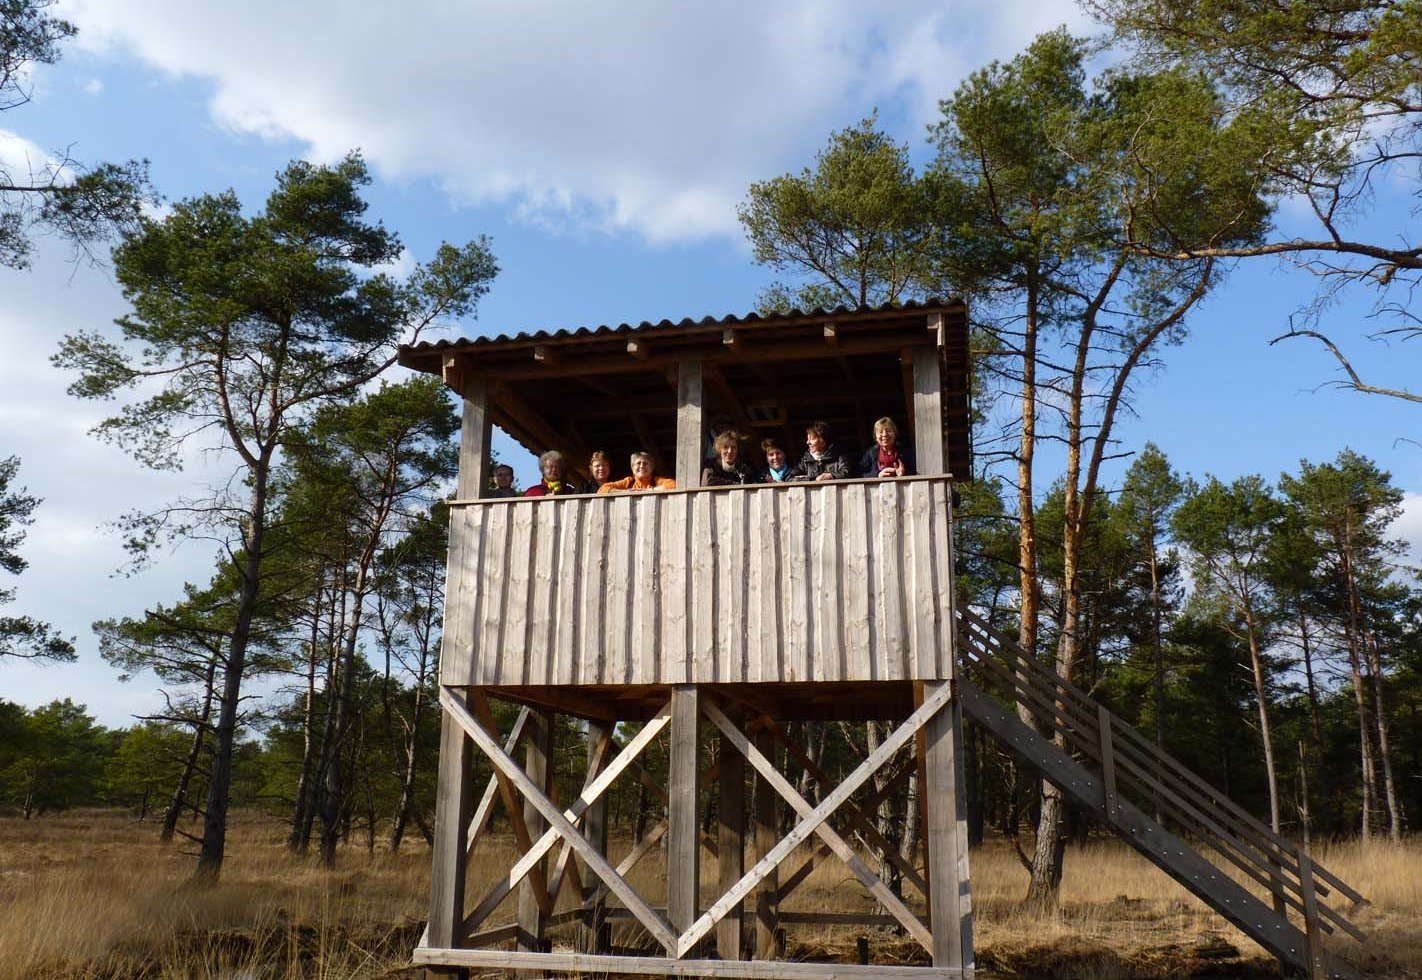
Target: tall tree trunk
[333, 797]
[1315, 725]
[296, 842]
[1394, 812]
[1360, 695]
[214, 828]
[1030, 587]
[1261, 697]
[200, 730]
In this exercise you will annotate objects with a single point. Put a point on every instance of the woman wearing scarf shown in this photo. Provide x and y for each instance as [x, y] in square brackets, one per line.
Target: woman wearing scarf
[553, 484]
[643, 477]
[777, 467]
[886, 458]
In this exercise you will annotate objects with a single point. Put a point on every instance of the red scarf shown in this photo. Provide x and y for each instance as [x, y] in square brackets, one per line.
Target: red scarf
[888, 458]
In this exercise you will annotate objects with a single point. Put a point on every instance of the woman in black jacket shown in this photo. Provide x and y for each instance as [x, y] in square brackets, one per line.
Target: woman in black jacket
[886, 457]
[822, 459]
[727, 469]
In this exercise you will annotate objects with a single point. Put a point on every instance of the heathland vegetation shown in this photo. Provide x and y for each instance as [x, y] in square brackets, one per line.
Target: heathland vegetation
[1262, 628]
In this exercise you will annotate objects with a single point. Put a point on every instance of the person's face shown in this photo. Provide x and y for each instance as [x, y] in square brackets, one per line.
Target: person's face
[729, 454]
[601, 470]
[553, 469]
[775, 457]
[815, 441]
[885, 438]
[642, 468]
[503, 478]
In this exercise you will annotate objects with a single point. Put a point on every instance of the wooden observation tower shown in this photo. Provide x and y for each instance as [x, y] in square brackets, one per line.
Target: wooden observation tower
[727, 614]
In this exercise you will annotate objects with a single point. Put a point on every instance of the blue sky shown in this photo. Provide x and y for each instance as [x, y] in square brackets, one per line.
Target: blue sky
[603, 147]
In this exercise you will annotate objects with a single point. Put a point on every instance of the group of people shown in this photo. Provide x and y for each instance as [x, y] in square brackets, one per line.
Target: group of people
[821, 460]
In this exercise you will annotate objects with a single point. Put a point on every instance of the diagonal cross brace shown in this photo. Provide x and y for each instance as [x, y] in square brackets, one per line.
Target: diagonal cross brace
[813, 820]
[485, 809]
[654, 923]
[595, 787]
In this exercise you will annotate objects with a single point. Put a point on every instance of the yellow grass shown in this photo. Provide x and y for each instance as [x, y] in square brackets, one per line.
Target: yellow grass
[94, 895]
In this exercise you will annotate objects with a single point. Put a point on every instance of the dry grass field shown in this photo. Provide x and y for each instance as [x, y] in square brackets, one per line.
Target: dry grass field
[92, 894]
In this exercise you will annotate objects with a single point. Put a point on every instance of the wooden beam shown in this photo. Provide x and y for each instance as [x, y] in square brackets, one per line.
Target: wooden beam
[597, 936]
[591, 965]
[511, 771]
[683, 825]
[938, 327]
[927, 407]
[609, 363]
[767, 904]
[452, 373]
[857, 817]
[814, 821]
[544, 434]
[485, 810]
[722, 392]
[690, 425]
[731, 861]
[644, 435]
[594, 791]
[452, 805]
[534, 908]
[475, 429]
[906, 374]
[479, 705]
[950, 907]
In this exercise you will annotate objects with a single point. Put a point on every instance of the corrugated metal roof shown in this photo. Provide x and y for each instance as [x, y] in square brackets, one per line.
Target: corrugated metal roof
[729, 320]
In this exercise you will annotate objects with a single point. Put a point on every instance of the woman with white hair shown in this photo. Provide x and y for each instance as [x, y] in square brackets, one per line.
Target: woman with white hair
[554, 482]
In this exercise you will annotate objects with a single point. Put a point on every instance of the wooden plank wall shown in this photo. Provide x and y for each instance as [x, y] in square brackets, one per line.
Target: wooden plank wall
[844, 581]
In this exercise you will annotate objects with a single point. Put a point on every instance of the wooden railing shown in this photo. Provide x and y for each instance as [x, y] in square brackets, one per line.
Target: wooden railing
[1132, 767]
[841, 581]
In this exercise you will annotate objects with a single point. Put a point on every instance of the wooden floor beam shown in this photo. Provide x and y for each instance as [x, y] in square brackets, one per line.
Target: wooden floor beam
[534, 908]
[731, 859]
[767, 896]
[683, 825]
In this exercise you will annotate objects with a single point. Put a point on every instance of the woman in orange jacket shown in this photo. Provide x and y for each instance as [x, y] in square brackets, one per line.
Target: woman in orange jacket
[643, 477]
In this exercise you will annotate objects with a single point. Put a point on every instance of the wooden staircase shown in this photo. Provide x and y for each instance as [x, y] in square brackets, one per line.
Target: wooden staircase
[1121, 777]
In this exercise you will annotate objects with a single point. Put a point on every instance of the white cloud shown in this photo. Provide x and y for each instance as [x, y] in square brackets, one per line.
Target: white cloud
[634, 115]
[83, 484]
[21, 158]
[1408, 527]
[94, 86]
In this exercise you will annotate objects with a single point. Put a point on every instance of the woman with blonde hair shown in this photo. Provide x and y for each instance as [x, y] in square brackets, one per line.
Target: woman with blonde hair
[727, 469]
[886, 458]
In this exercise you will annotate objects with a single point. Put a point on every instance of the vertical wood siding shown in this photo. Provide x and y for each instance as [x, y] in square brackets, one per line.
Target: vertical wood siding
[831, 581]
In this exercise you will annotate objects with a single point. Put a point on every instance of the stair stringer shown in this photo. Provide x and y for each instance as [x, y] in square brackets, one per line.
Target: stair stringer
[1162, 848]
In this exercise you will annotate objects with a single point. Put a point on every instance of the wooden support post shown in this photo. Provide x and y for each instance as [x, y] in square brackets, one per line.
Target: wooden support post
[690, 425]
[1317, 967]
[453, 808]
[683, 830]
[731, 855]
[767, 831]
[538, 750]
[927, 411]
[1108, 760]
[597, 932]
[474, 433]
[950, 914]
